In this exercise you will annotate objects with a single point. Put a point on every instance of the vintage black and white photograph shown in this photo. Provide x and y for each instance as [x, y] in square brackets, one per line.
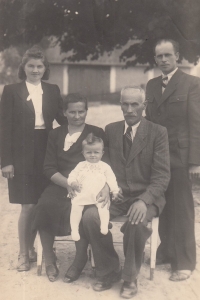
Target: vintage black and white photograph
[100, 149]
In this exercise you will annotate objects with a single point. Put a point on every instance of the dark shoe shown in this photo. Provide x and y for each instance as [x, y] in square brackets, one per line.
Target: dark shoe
[106, 282]
[128, 290]
[52, 272]
[32, 255]
[72, 274]
[23, 263]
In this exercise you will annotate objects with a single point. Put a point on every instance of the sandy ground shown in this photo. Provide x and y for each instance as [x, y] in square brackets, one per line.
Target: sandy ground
[29, 286]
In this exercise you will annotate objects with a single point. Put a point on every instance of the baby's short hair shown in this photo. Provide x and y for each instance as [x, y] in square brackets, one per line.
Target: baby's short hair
[91, 139]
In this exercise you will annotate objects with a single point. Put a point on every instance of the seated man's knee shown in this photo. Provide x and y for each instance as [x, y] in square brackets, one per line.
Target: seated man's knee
[91, 216]
[129, 227]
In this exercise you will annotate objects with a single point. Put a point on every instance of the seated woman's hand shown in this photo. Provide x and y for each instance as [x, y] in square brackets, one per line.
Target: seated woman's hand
[71, 192]
[104, 196]
[76, 186]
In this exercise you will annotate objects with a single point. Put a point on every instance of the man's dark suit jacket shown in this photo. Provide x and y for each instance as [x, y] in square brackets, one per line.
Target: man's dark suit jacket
[18, 122]
[146, 173]
[177, 109]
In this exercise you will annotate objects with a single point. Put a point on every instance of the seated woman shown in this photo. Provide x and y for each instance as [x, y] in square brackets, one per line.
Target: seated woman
[52, 213]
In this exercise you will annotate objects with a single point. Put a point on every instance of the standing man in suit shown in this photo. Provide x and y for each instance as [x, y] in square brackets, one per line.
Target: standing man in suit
[174, 102]
[139, 157]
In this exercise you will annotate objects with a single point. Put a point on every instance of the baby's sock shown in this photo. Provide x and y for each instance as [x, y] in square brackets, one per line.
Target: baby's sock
[75, 236]
[104, 229]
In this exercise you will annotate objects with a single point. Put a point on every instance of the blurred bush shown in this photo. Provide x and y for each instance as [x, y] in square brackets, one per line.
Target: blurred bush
[10, 60]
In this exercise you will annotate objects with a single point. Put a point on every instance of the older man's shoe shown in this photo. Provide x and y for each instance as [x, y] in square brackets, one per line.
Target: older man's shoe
[106, 282]
[23, 263]
[128, 290]
[72, 274]
[52, 272]
[102, 285]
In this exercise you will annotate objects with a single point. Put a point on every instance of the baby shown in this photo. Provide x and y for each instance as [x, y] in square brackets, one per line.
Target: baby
[88, 179]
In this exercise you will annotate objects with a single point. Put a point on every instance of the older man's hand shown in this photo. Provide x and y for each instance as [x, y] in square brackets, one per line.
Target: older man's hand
[118, 197]
[104, 196]
[137, 212]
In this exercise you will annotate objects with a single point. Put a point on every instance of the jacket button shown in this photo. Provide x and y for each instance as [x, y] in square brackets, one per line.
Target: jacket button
[159, 114]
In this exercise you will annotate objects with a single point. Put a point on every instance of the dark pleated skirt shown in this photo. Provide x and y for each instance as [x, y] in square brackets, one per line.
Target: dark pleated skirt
[52, 213]
[27, 189]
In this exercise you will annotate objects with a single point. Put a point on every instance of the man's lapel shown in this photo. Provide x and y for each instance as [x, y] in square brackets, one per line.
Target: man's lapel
[45, 99]
[45, 96]
[157, 89]
[23, 93]
[171, 87]
[119, 139]
[139, 141]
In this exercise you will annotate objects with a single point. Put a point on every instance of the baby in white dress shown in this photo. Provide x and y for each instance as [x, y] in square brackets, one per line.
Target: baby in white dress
[88, 179]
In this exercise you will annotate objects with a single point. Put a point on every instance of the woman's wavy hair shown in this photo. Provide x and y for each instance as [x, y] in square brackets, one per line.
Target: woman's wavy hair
[36, 53]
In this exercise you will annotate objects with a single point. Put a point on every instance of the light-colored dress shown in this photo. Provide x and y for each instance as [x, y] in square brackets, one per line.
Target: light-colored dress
[92, 178]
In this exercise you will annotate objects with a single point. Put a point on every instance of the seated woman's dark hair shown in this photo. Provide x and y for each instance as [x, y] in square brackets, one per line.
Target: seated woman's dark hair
[36, 53]
[74, 98]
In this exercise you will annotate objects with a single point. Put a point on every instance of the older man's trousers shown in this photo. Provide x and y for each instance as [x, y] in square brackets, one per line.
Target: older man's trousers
[105, 256]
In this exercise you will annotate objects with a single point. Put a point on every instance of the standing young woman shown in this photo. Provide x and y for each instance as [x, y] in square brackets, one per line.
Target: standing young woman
[28, 110]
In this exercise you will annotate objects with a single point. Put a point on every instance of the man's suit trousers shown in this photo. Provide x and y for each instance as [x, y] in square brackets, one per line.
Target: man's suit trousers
[176, 226]
[105, 256]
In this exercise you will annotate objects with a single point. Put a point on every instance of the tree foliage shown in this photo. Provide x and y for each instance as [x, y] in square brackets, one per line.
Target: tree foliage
[92, 27]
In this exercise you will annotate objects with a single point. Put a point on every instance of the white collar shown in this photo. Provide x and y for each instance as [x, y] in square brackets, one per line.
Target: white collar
[134, 127]
[170, 74]
[34, 90]
[32, 87]
[70, 140]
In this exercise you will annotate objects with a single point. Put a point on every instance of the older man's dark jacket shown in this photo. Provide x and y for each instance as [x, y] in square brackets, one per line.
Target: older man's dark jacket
[145, 175]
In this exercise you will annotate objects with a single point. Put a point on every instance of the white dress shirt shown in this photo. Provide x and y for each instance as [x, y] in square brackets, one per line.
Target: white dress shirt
[35, 94]
[169, 76]
[134, 129]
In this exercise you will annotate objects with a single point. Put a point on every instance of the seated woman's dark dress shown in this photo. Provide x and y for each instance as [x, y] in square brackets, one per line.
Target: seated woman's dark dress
[53, 209]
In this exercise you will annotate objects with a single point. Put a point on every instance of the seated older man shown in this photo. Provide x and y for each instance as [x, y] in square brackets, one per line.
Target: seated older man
[139, 157]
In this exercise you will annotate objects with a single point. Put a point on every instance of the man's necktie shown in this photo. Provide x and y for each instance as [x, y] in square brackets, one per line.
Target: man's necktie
[127, 142]
[164, 81]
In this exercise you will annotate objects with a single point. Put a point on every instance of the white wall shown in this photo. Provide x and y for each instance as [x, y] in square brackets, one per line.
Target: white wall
[130, 76]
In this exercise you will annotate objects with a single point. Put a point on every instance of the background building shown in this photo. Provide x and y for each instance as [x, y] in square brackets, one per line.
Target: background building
[99, 79]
